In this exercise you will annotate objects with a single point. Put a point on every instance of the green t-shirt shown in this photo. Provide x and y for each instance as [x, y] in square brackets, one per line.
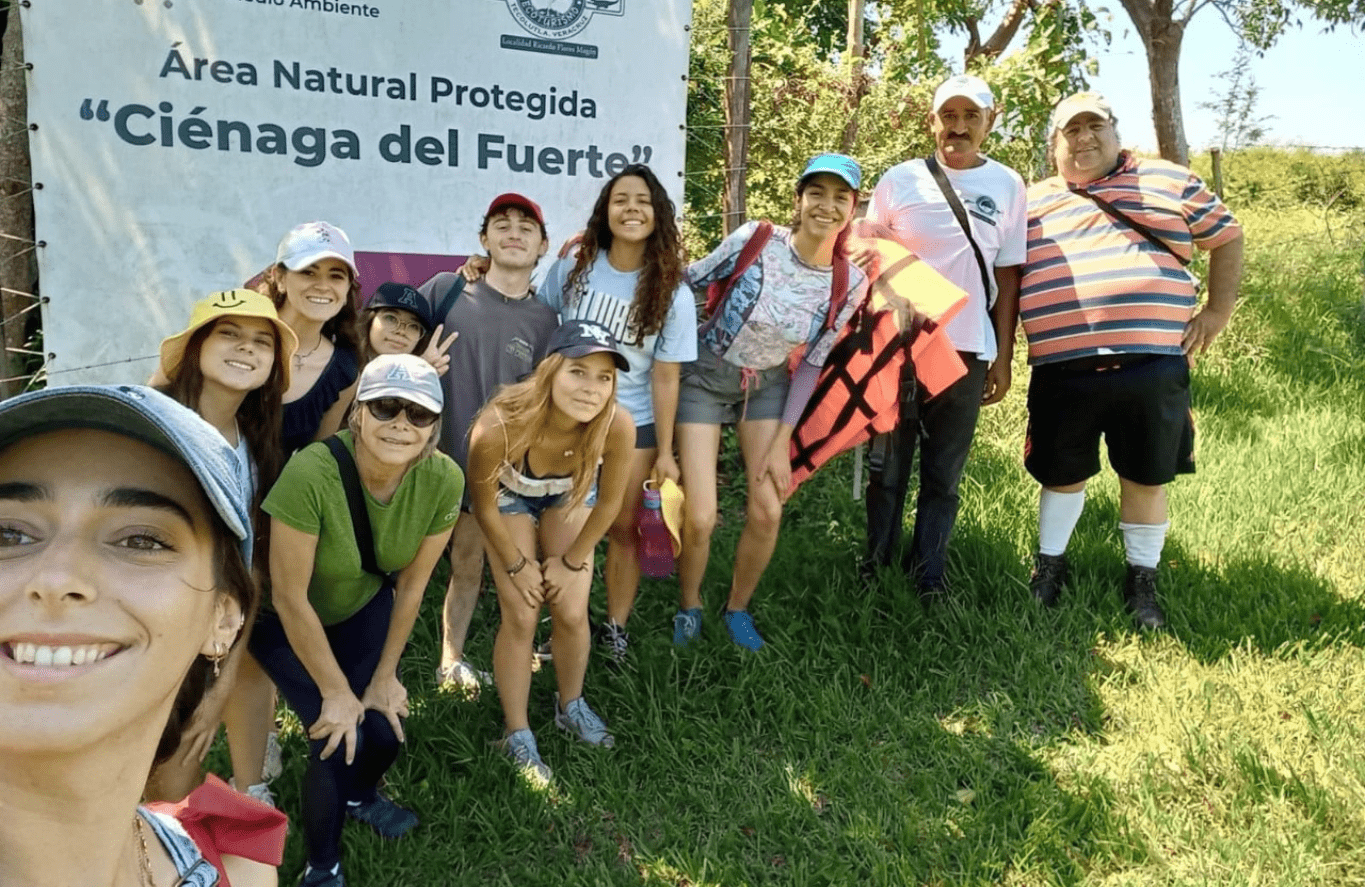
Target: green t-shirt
[310, 498]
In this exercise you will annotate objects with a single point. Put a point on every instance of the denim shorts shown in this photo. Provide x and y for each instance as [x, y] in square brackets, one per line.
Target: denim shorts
[515, 503]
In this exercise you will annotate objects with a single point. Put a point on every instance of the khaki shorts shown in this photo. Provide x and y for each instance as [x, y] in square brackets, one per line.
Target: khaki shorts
[712, 392]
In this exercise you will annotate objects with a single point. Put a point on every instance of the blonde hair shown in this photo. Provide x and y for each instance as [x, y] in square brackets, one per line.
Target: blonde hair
[523, 411]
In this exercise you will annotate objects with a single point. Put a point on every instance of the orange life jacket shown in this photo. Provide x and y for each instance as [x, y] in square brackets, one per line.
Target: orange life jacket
[858, 393]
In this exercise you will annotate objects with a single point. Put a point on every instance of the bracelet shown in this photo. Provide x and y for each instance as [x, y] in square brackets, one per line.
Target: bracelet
[578, 569]
[516, 568]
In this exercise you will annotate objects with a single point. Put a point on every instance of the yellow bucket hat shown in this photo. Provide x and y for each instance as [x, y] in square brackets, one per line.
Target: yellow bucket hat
[671, 500]
[228, 303]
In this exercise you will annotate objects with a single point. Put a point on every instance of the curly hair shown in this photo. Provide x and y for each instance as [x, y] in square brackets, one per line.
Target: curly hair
[260, 418]
[663, 268]
[523, 411]
[341, 328]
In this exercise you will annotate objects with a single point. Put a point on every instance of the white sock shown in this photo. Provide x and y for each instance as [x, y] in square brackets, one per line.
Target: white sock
[1057, 516]
[1143, 542]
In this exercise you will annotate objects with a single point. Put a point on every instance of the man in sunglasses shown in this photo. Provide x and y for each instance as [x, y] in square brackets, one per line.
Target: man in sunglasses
[502, 333]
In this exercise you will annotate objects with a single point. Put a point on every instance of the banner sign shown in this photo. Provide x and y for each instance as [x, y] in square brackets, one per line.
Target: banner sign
[175, 141]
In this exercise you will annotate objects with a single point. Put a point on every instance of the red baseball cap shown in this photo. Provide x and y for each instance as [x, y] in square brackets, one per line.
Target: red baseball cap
[520, 201]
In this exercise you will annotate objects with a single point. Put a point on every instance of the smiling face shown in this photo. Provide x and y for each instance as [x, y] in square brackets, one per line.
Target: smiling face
[393, 442]
[394, 331]
[959, 127]
[824, 205]
[1087, 148]
[513, 239]
[630, 210]
[107, 590]
[238, 353]
[583, 386]
[317, 292]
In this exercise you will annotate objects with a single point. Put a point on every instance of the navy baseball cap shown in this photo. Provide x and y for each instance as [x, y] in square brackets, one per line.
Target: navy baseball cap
[400, 295]
[151, 417]
[579, 338]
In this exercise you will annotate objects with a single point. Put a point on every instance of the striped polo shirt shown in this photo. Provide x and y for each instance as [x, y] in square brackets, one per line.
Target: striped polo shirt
[1092, 285]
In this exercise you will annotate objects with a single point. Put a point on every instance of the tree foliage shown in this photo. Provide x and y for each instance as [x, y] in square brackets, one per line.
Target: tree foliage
[805, 89]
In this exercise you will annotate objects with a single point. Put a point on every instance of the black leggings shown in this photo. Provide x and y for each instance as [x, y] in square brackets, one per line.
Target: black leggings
[329, 785]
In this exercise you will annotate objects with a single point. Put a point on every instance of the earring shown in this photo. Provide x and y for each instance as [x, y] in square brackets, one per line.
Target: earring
[217, 658]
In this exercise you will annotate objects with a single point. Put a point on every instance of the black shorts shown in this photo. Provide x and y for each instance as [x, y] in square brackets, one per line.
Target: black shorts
[1139, 403]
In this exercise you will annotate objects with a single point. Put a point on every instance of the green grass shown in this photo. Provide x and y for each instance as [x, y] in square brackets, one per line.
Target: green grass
[874, 742]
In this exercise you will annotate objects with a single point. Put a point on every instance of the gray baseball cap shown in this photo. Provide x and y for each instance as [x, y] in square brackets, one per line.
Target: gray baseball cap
[404, 376]
[148, 416]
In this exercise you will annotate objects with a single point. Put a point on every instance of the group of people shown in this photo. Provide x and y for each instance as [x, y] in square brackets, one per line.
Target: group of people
[266, 516]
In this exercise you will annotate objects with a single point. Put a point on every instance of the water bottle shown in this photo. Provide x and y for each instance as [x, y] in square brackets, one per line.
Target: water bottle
[655, 548]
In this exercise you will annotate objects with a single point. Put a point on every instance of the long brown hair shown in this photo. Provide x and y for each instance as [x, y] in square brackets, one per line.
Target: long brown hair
[341, 328]
[663, 269]
[523, 411]
[232, 577]
[259, 418]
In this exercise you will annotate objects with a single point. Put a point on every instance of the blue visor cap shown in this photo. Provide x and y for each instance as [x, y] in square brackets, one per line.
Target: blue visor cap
[840, 165]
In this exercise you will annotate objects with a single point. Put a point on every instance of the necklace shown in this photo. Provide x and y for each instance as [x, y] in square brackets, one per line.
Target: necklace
[142, 854]
[300, 357]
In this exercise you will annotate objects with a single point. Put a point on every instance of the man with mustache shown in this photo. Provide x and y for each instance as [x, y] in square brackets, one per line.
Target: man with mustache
[962, 213]
[1109, 312]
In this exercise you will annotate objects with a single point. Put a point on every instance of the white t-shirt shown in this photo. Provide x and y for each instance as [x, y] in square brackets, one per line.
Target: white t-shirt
[607, 301]
[909, 202]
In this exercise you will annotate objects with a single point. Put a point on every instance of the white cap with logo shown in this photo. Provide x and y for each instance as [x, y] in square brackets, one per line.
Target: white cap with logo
[966, 86]
[404, 376]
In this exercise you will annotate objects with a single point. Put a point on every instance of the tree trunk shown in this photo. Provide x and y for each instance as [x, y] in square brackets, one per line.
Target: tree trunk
[857, 54]
[1163, 61]
[18, 269]
[738, 19]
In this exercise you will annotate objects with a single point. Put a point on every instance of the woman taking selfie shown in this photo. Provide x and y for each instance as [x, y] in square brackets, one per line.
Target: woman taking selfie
[124, 550]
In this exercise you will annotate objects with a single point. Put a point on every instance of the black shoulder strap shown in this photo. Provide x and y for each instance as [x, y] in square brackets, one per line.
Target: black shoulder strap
[449, 301]
[355, 501]
[1124, 219]
[956, 205]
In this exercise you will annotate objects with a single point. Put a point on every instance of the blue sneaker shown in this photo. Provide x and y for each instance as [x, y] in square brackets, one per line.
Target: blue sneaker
[741, 627]
[384, 816]
[520, 746]
[686, 626]
[579, 719]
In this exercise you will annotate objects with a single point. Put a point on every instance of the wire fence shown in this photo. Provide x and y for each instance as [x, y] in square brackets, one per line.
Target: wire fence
[22, 361]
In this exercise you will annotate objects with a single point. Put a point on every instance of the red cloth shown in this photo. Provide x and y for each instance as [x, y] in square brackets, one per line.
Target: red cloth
[222, 821]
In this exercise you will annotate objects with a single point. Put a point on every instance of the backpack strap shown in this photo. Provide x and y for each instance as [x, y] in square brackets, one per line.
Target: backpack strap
[355, 501]
[448, 301]
[747, 256]
[961, 214]
[1128, 221]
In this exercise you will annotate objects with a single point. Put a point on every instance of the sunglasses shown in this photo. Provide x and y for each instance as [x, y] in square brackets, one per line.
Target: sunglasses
[386, 409]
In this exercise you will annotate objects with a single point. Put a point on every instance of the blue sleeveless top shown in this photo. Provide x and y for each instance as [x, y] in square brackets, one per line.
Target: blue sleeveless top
[303, 416]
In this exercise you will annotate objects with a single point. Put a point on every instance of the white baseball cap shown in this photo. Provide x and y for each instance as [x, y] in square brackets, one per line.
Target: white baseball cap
[1080, 103]
[405, 376]
[969, 87]
[312, 241]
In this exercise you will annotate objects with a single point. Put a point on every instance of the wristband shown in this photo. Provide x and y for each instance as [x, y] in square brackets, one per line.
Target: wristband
[517, 567]
[578, 569]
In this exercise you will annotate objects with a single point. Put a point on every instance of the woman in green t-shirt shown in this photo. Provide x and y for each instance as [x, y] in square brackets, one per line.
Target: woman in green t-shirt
[335, 629]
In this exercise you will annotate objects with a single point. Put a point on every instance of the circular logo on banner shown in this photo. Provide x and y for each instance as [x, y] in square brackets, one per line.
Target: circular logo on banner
[554, 19]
